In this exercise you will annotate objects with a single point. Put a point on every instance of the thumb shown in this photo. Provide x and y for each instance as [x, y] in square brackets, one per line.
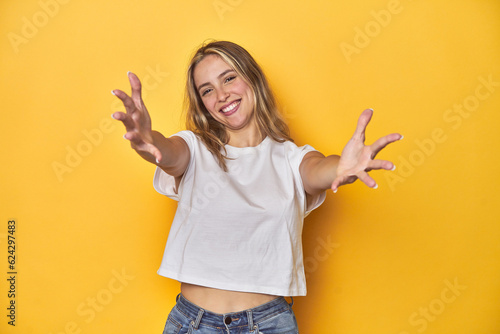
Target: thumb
[336, 183]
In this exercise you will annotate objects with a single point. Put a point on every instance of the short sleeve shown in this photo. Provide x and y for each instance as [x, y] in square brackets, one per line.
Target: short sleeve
[316, 202]
[296, 156]
[165, 183]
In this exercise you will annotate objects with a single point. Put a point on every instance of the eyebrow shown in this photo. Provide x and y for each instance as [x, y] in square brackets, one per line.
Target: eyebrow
[219, 76]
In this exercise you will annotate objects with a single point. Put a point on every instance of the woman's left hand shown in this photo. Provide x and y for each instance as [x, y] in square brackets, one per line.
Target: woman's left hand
[358, 159]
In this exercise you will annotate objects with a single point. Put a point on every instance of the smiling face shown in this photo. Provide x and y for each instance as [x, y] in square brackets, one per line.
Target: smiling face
[226, 96]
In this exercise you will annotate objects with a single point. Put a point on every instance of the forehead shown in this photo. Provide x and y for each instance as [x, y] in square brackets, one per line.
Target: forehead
[209, 68]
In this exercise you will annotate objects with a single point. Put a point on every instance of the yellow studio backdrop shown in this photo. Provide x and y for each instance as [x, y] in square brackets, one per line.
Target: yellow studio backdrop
[420, 254]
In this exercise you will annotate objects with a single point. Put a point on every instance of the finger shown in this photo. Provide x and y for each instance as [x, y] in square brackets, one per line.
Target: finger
[363, 121]
[135, 138]
[335, 185]
[340, 180]
[380, 164]
[380, 143]
[126, 100]
[367, 179]
[139, 144]
[135, 83]
[126, 119]
[156, 153]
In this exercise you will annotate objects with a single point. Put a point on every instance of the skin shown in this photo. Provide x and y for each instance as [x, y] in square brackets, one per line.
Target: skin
[219, 87]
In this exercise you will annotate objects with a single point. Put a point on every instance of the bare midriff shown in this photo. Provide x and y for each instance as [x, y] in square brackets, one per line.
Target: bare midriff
[223, 301]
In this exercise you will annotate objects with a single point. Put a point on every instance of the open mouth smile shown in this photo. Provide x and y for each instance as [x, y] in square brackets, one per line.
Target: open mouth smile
[231, 108]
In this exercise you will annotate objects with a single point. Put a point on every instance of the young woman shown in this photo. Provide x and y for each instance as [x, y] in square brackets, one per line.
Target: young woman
[243, 189]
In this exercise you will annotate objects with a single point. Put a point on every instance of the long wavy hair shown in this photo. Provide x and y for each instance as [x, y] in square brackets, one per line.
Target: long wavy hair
[213, 134]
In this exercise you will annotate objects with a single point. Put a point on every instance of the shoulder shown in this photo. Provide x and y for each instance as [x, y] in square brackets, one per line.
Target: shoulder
[296, 152]
[193, 141]
[187, 135]
[284, 145]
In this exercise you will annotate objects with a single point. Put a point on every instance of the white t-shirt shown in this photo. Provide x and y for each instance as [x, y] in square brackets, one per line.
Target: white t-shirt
[240, 230]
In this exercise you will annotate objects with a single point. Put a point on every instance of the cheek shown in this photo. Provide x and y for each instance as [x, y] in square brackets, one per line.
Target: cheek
[245, 90]
[209, 104]
[250, 95]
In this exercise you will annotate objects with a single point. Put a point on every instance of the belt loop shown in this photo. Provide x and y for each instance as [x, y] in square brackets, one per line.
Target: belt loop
[198, 318]
[291, 304]
[177, 298]
[250, 320]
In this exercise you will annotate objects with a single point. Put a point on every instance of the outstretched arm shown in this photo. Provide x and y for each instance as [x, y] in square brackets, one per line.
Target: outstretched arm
[320, 173]
[170, 154]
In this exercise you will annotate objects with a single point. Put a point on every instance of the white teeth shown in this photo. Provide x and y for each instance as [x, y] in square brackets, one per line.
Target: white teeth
[230, 107]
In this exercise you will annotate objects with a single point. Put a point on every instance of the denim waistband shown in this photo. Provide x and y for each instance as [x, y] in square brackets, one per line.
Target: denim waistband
[244, 318]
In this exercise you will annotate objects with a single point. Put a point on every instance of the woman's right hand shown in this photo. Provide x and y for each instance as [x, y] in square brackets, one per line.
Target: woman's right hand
[137, 121]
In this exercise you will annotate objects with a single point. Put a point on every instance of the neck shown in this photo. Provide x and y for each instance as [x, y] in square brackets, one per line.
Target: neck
[245, 138]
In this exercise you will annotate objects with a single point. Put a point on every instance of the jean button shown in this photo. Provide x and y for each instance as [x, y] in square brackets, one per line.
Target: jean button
[227, 320]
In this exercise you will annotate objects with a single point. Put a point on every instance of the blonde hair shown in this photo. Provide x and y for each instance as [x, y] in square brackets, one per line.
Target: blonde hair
[211, 132]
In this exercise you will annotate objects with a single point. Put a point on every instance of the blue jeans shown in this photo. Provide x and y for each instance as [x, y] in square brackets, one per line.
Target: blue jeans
[274, 317]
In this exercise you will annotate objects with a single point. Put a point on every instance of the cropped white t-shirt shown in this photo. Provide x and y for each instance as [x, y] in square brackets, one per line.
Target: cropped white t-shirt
[240, 230]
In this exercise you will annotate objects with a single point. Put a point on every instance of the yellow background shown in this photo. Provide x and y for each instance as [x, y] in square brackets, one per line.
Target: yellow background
[378, 261]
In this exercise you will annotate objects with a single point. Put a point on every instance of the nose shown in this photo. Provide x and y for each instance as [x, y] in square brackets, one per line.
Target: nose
[222, 95]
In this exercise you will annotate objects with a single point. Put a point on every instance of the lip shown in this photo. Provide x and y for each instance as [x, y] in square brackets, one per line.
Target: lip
[229, 113]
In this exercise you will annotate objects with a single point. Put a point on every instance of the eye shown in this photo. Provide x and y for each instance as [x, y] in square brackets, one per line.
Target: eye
[206, 91]
[229, 79]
